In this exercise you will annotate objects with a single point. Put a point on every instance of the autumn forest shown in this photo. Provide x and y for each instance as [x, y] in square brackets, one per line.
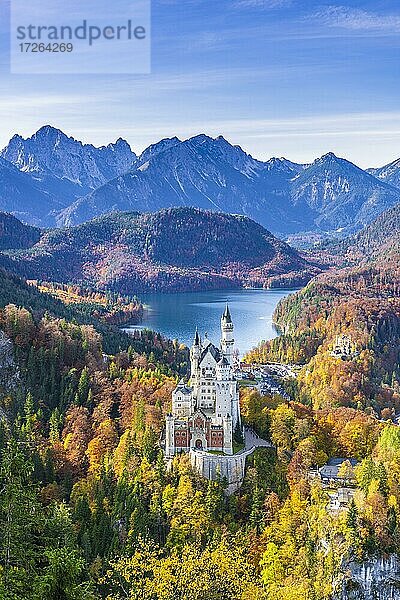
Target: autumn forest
[90, 509]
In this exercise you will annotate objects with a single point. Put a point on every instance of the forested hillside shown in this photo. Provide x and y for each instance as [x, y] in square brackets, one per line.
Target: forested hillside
[14, 234]
[172, 250]
[380, 240]
[362, 303]
[15, 291]
[89, 511]
[88, 508]
[107, 307]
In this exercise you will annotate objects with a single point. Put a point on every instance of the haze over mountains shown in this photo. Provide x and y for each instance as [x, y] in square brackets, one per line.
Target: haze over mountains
[51, 179]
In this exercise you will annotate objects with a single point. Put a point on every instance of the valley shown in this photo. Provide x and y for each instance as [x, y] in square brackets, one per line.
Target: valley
[96, 318]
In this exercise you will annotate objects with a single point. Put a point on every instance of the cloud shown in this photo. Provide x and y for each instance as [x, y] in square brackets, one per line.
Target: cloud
[266, 4]
[357, 19]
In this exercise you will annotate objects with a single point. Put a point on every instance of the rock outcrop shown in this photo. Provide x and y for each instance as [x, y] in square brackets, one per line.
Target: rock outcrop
[9, 374]
[375, 579]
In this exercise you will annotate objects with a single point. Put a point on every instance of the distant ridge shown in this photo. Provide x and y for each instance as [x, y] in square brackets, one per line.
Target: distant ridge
[171, 250]
[379, 240]
[71, 183]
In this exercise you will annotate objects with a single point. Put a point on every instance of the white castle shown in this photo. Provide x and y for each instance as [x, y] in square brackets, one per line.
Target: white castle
[206, 413]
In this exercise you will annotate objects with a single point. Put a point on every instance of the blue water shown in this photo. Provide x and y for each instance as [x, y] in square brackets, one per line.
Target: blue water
[177, 315]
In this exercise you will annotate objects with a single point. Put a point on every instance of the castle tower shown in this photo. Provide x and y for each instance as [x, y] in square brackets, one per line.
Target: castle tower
[227, 340]
[228, 434]
[169, 436]
[195, 352]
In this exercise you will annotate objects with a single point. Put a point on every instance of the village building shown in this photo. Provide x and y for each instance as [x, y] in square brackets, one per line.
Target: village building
[337, 477]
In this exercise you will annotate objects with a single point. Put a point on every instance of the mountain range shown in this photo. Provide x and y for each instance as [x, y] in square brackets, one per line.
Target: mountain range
[173, 249]
[52, 179]
[331, 194]
[51, 170]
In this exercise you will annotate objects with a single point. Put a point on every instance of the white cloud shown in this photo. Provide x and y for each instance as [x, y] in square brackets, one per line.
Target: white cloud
[357, 19]
[267, 4]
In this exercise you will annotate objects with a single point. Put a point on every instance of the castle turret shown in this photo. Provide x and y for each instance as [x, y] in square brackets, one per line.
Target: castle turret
[196, 344]
[169, 436]
[227, 340]
[195, 352]
[228, 434]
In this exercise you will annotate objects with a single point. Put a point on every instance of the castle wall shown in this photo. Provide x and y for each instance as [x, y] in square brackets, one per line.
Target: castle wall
[214, 466]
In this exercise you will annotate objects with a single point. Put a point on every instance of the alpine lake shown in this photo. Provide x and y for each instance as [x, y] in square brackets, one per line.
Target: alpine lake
[176, 316]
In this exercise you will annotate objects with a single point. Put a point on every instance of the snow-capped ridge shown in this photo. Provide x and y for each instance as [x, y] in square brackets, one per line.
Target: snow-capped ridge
[389, 173]
[50, 153]
[202, 171]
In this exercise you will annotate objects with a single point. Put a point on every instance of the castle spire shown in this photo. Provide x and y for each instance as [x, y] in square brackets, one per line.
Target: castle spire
[197, 338]
[227, 341]
[227, 314]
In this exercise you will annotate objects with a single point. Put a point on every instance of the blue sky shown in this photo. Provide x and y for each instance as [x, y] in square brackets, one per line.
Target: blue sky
[278, 77]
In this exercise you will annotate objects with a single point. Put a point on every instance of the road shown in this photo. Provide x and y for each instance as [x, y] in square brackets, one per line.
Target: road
[252, 440]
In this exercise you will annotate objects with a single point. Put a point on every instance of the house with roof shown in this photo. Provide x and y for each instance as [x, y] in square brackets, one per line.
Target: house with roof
[344, 348]
[337, 471]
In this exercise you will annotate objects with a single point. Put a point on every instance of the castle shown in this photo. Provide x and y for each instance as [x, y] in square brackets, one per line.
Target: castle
[206, 414]
[344, 348]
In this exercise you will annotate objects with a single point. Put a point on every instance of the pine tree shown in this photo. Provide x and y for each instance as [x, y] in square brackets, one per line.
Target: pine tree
[352, 520]
[21, 518]
[238, 434]
[83, 387]
[55, 425]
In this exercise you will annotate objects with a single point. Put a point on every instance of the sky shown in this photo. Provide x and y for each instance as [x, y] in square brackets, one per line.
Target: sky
[279, 77]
